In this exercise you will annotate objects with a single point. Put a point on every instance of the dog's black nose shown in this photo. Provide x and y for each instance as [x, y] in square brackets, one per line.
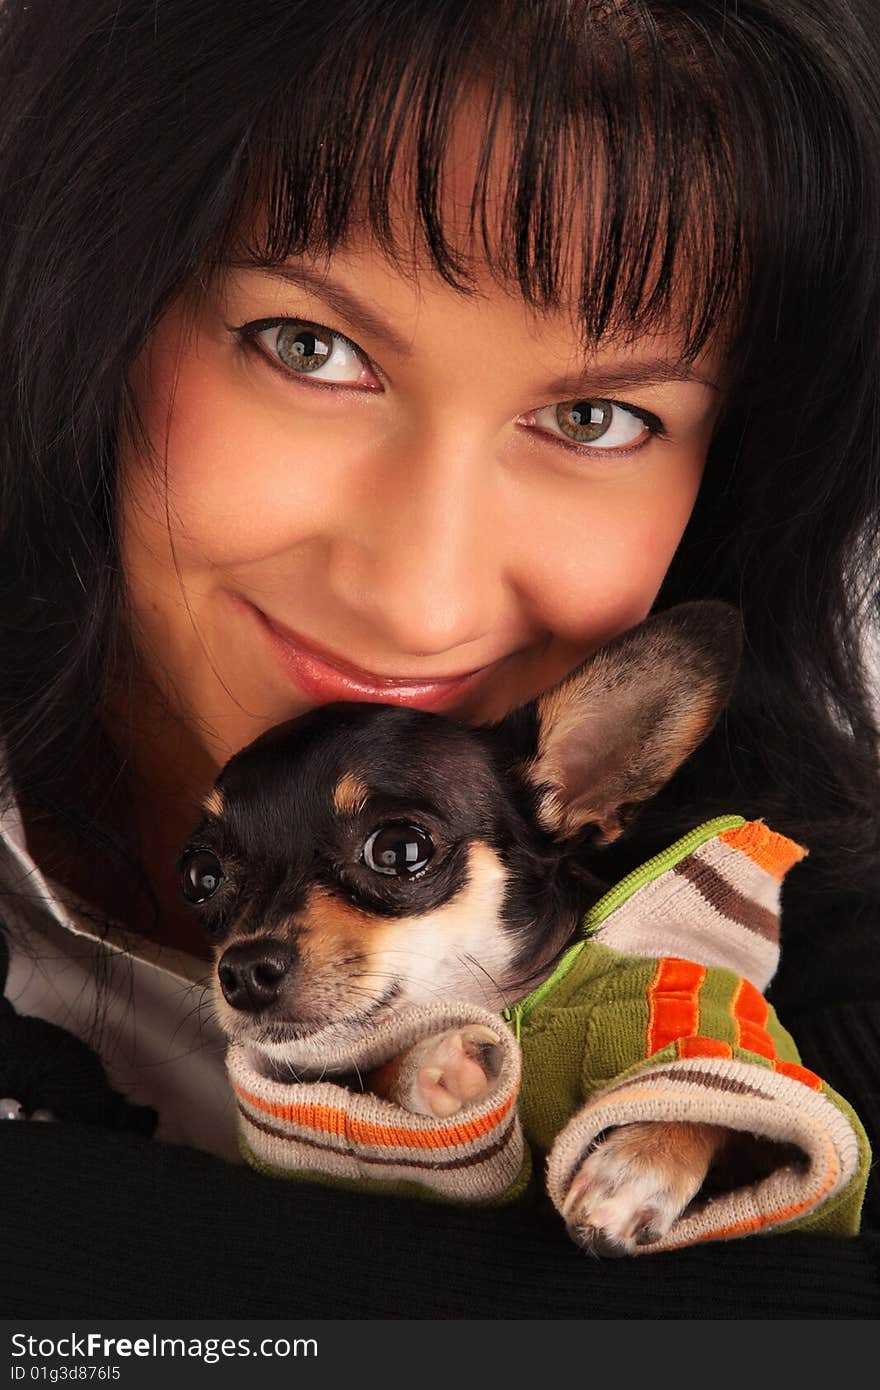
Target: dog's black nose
[251, 973]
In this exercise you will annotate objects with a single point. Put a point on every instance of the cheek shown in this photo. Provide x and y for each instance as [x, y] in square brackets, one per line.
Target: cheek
[247, 476]
[596, 560]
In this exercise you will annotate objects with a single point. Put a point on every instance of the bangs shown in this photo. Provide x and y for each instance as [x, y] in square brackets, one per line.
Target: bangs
[601, 179]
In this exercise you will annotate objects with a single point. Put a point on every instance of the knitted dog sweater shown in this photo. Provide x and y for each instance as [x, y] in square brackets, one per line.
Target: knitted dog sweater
[656, 1013]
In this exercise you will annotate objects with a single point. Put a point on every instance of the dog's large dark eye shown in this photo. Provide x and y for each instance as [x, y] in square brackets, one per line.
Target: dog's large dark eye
[200, 876]
[398, 849]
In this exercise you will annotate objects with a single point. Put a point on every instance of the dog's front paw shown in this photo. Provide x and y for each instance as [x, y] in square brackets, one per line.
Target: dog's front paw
[628, 1192]
[451, 1070]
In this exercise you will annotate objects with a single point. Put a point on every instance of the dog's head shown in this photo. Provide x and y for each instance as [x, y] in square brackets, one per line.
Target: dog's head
[363, 858]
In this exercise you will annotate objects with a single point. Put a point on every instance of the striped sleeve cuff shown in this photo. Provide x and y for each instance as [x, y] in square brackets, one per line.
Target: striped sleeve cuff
[321, 1129]
[842, 1042]
[786, 1106]
[718, 905]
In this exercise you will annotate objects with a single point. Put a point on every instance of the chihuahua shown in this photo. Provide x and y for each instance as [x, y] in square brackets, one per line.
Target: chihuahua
[364, 858]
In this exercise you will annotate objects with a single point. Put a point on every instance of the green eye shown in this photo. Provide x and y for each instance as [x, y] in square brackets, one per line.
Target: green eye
[303, 347]
[584, 421]
[598, 427]
[398, 850]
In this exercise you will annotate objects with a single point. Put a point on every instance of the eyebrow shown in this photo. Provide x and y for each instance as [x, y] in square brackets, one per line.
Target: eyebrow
[344, 301]
[648, 372]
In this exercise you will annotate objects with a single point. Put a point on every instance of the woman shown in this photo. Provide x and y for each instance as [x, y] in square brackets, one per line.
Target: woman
[411, 351]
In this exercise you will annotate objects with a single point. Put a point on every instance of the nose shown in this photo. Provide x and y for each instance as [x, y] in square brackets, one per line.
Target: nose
[251, 973]
[424, 564]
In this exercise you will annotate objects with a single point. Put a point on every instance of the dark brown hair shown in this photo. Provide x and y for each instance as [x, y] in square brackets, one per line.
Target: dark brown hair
[737, 149]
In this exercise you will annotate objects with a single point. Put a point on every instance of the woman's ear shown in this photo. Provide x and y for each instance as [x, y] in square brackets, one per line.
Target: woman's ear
[618, 726]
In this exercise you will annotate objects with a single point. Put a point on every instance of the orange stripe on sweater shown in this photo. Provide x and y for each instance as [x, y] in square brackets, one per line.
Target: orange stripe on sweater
[703, 1047]
[329, 1119]
[799, 1073]
[768, 849]
[771, 1218]
[750, 1013]
[673, 1002]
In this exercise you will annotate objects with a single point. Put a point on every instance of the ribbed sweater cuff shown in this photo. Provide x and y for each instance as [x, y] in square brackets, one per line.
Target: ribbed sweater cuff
[742, 1096]
[842, 1043]
[321, 1128]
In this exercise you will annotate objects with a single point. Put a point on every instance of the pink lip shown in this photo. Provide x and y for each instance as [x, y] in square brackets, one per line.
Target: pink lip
[326, 678]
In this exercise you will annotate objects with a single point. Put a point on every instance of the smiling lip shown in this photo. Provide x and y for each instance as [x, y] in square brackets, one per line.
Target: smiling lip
[326, 678]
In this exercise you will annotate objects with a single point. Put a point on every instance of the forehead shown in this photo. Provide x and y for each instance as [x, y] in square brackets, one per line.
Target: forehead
[610, 251]
[324, 768]
[416, 317]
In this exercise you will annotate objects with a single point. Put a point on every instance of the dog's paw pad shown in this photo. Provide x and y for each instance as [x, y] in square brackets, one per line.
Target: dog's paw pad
[616, 1226]
[456, 1069]
[621, 1201]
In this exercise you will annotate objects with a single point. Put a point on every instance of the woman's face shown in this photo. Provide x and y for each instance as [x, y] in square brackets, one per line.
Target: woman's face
[436, 496]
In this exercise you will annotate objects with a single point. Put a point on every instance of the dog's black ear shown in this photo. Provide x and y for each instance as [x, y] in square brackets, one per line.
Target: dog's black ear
[618, 726]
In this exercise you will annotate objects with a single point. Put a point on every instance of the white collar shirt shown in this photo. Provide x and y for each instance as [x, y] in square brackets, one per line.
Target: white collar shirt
[145, 1009]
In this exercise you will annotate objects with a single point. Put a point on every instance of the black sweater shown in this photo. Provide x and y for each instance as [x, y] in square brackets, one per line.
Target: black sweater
[99, 1220]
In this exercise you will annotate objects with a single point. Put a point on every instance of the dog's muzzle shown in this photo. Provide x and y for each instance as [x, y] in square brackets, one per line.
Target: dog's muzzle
[252, 973]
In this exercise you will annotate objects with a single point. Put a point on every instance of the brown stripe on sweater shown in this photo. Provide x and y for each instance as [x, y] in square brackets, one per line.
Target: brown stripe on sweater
[708, 1079]
[468, 1161]
[726, 899]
